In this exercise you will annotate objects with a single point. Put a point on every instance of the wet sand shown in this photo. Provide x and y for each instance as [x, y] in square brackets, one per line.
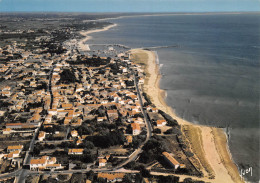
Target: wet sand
[214, 142]
[85, 47]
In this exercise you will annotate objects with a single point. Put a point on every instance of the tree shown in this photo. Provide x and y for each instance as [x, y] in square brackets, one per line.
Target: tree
[130, 165]
[88, 144]
[157, 131]
[88, 158]
[168, 179]
[127, 179]
[37, 150]
[67, 76]
[169, 131]
[90, 175]
[108, 139]
[101, 180]
[144, 172]
[168, 118]
[187, 180]
[138, 178]
[152, 149]
[171, 123]
[147, 157]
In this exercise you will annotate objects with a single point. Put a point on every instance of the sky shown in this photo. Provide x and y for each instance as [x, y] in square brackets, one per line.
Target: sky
[128, 5]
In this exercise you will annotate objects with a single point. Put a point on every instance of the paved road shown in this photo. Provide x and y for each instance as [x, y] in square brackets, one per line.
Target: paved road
[9, 175]
[24, 172]
[53, 141]
[8, 71]
[147, 122]
[135, 154]
[67, 133]
[50, 90]
[31, 147]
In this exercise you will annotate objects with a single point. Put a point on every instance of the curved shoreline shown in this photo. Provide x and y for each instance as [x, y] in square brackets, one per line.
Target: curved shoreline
[85, 47]
[214, 141]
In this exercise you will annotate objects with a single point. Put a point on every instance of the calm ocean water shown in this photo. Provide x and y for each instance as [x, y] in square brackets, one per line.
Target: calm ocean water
[212, 78]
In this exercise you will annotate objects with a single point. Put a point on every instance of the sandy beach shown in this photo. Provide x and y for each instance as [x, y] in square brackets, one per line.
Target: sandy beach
[213, 153]
[85, 47]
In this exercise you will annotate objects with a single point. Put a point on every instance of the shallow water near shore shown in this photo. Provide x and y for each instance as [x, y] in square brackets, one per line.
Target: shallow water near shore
[212, 78]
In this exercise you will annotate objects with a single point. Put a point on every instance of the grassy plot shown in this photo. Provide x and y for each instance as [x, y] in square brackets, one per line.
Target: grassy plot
[194, 136]
[141, 58]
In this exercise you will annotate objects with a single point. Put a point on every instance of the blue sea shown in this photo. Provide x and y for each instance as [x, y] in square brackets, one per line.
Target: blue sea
[212, 77]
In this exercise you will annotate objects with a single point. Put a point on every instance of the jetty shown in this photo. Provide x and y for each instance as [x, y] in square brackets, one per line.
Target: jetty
[118, 45]
[158, 47]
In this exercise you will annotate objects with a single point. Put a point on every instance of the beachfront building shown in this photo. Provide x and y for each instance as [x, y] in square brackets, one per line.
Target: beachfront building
[141, 81]
[171, 160]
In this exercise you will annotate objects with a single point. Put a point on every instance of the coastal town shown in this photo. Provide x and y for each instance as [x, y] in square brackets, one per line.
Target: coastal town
[71, 116]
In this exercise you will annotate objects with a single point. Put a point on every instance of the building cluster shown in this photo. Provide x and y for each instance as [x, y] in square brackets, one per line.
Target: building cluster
[47, 98]
[43, 91]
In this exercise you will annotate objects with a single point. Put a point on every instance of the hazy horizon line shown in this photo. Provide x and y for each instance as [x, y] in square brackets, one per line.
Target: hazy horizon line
[181, 12]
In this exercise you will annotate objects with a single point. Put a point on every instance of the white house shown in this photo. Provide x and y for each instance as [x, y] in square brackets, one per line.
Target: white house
[41, 135]
[102, 162]
[44, 162]
[7, 131]
[161, 123]
[74, 133]
[36, 164]
[141, 81]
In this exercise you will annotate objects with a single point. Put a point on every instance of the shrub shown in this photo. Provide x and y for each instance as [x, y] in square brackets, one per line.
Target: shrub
[157, 131]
